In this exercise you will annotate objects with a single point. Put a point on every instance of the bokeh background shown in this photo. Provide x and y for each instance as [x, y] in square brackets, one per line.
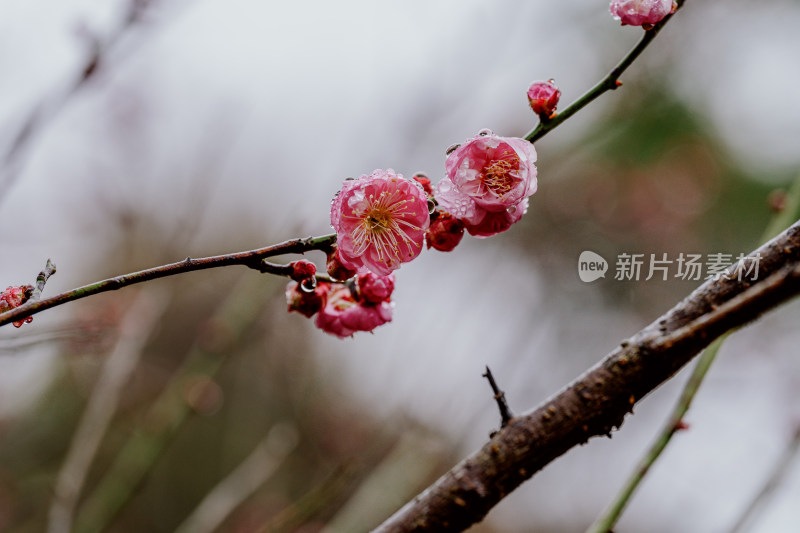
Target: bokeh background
[198, 404]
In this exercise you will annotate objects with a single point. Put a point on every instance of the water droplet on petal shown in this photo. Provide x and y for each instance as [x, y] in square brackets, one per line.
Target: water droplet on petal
[511, 210]
[485, 131]
[452, 148]
[431, 206]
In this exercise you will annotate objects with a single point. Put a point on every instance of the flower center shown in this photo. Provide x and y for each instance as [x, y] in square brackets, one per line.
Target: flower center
[383, 225]
[499, 177]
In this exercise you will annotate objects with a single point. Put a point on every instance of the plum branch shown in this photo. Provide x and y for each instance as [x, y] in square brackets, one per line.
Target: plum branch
[609, 83]
[596, 403]
[254, 259]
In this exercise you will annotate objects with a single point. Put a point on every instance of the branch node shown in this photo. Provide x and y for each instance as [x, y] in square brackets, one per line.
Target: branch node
[500, 397]
[41, 280]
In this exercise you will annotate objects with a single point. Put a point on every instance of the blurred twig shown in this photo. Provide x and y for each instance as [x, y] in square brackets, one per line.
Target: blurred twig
[170, 410]
[598, 401]
[773, 481]
[329, 490]
[10, 345]
[609, 83]
[251, 473]
[48, 109]
[135, 329]
[409, 465]
[251, 258]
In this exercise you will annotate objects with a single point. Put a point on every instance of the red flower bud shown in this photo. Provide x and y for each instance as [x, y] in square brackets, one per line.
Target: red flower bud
[336, 269]
[423, 180]
[14, 297]
[302, 269]
[543, 97]
[306, 303]
[445, 232]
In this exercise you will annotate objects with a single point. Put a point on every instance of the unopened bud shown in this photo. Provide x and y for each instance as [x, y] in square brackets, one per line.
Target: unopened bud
[336, 269]
[306, 303]
[423, 180]
[543, 97]
[302, 270]
[445, 232]
[14, 297]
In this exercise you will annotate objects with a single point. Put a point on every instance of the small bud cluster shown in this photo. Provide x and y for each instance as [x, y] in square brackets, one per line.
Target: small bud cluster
[14, 297]
[361, 304]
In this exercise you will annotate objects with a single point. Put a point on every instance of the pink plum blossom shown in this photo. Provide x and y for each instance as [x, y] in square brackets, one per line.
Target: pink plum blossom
[497, 222]
[342, 315]
[380, 221]
[543, 97]
[488, 180]
[644, 13]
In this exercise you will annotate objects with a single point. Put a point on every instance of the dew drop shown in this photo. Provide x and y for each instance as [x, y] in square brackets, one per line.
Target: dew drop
[511, 210]
[308, 285]
[485, 131]
[431, 206]
[452, 148]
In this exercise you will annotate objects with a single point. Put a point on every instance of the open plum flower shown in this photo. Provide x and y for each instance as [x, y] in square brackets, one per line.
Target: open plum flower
[644, 13]
[380, 221]
[343, 315]
[488, 182]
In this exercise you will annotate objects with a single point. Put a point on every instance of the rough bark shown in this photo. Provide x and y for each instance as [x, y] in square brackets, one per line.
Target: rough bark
[598, 401]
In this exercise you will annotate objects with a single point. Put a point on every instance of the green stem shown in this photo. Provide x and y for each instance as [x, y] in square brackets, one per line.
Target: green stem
[251, 258]
[609, 83]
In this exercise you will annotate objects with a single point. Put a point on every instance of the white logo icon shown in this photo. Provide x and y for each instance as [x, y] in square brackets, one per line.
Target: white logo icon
[591, 266]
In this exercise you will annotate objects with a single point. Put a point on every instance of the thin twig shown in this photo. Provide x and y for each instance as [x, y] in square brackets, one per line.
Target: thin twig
[251, 258]
[609, 83]
[48, 109]
[500, 398]
[597, 402]
[773, 481]
[41, 280]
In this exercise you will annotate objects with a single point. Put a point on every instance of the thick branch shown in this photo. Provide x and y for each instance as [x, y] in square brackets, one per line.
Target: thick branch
[252, 258]
[609, 83]
[598, 401]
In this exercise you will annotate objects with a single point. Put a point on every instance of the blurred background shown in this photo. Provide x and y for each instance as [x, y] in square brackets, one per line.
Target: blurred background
[138, 133]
